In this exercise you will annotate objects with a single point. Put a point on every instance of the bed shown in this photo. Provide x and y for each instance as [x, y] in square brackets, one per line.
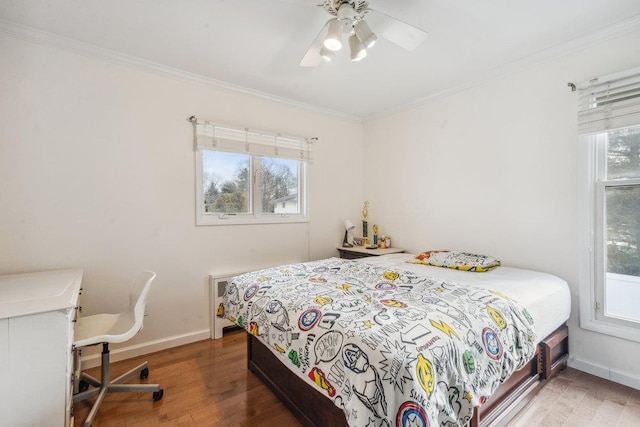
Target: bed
[380, 341]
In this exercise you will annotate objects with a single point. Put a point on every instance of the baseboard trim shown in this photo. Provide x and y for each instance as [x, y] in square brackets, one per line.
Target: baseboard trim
[123, 353]
[620, 377]
[625, 378]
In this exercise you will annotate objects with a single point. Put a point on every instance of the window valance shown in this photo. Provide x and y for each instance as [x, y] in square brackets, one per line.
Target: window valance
[213, 136]
[609, 102]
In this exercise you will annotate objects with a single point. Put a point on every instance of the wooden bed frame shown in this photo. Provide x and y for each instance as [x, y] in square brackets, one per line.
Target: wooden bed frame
[314, 409]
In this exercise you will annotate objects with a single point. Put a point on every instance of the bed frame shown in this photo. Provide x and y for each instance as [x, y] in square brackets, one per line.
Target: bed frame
[313, 409]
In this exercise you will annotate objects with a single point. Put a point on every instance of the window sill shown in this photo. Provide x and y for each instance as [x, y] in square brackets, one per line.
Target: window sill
[609, 328]
[222, 219]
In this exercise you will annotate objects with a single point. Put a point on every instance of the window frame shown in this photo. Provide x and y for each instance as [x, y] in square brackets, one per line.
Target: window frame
[592, 154]
[255, 215]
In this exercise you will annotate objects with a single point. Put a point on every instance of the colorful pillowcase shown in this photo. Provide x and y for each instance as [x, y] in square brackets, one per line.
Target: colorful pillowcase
[457, 260]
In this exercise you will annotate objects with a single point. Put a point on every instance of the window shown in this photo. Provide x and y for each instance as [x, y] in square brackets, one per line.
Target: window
[249, 177]
[609, 127]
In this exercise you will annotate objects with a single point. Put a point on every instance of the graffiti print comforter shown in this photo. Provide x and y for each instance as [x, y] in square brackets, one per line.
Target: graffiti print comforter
[388, 347]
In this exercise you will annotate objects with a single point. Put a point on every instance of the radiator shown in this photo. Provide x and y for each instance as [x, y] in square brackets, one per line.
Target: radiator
[218, 285]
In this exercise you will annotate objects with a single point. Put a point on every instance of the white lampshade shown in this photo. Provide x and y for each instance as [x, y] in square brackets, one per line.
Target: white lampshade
[327, 54]
[365, 35]
[348, 225]
[357, 50]
[333, 41]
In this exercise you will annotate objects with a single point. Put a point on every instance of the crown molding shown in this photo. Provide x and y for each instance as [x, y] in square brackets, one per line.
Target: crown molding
[110, 56]
[33, 35]
[611, 32]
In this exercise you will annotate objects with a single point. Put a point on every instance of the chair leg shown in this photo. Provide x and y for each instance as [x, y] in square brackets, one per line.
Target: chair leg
[104, 376]
[94, 409]
[135, 371]
[107, 386]
[89, 379]
[118, 386]
[87, 394]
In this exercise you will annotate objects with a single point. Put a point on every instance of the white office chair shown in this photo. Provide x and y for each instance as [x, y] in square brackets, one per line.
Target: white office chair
[114, 328]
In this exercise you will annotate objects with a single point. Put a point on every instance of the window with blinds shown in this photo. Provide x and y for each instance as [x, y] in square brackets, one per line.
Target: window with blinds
[245, 176]
[609, 138]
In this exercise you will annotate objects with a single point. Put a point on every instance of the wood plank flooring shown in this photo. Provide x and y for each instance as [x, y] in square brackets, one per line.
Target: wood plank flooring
[575, 398]
[207, 384]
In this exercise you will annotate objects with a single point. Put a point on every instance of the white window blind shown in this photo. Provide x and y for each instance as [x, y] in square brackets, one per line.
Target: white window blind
[609, 165]
[609, 102]
[219, 137]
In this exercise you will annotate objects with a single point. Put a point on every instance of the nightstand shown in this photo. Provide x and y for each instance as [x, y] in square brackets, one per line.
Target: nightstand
[362, 252]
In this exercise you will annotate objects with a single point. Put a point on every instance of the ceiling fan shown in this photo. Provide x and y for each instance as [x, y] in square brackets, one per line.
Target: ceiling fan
[349, 19]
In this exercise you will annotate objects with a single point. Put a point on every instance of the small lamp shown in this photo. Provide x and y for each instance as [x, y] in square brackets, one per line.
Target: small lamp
[357, 50]
[348, 234]
[333, 41]
[364, 34]
[327, 54]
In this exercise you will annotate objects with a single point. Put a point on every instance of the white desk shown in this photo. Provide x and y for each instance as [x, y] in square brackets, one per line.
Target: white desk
[37, 311]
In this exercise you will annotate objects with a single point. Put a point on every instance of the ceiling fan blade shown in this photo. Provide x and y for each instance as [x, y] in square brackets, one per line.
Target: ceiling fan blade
[313, 58]
[398, 32]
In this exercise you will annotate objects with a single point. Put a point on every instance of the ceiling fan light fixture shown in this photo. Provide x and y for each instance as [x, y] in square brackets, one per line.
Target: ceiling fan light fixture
[350, 21]
[357, 50]
[333, 41]
[346, 13]
[364, 34]
[327, 54]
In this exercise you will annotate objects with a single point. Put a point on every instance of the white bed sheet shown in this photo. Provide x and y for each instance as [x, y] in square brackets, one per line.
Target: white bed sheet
[545, 296]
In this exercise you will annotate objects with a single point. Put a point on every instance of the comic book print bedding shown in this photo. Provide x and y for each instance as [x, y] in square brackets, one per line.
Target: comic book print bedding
[388, 347]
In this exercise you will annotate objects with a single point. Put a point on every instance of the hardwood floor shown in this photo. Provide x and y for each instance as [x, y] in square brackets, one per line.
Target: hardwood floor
[575, 398]
[207, 384]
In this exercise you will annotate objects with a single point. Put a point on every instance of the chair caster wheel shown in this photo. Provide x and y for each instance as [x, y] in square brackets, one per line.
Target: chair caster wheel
[83, 386]
[144, 373]
[157, 395]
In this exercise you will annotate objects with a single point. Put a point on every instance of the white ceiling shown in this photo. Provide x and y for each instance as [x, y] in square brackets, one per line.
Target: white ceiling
[257, 44]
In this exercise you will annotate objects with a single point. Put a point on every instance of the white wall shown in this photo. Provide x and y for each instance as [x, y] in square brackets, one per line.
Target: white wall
[97, 172]
[493, 170]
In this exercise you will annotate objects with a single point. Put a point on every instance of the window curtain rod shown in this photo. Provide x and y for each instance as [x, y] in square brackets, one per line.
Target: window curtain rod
[586, 84]
[609, 77]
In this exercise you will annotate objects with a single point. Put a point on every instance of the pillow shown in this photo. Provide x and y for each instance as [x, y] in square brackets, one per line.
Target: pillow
[458, 260]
